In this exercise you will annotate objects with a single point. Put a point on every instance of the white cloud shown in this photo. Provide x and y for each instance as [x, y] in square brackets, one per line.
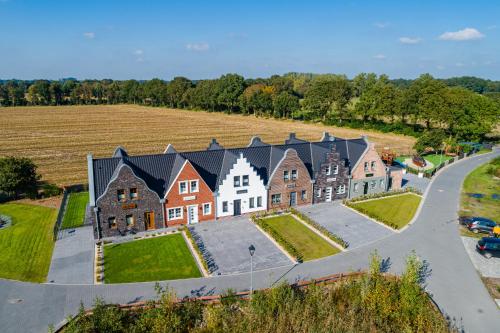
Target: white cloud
[89, 35]
[379, 57]
[410, 40]
[460, 35]
[197, 47]
[381, 25]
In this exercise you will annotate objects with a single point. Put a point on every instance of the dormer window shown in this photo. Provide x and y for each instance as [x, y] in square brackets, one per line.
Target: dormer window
[328, 170]
[121, 195]
[183, 189]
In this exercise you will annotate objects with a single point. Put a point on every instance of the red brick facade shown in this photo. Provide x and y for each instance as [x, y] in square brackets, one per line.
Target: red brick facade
[301, 186]
[175, 199]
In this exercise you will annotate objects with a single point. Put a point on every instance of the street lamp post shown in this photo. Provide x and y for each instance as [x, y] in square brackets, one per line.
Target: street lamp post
[251, 249]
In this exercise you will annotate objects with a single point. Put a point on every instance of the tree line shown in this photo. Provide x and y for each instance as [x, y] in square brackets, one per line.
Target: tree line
[462, 107]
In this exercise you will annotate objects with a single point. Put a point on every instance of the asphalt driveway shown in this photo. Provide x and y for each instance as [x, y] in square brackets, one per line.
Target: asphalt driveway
[354, 228]
[225, 246]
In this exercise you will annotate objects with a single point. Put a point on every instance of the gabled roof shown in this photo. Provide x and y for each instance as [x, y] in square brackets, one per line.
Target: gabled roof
[160, 170]
[169, 150]
[292, 138]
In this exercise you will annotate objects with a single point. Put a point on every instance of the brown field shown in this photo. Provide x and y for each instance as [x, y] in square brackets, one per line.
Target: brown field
[59, 138]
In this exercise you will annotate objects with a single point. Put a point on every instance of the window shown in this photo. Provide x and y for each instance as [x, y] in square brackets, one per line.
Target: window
[318, 193]
[286, 175]
[381, 183]
[121, 195]
[245, 180]
[129, 219]
[356, 187]
[328, 170]
[252, 203]
[373, 184]
[373, 165]
[133, 193]
[193, 186]
[112, 222]
[303, 195]
[341, 189]
[259, 201]
[207, 208]
[175, 213]
[183, 187]
[336, 170]
[294, 174]
[366, 166]
[236, 181]
[276, 198]
[224, 206]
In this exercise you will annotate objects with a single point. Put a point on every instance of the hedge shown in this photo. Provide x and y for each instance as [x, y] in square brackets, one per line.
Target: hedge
[337, 239]
[277, 237]
[382, 195]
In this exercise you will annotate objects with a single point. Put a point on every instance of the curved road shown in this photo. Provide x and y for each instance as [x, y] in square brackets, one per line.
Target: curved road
[453, 282]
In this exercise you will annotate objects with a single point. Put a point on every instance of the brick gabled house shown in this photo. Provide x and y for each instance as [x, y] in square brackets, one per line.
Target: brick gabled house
[138, 193]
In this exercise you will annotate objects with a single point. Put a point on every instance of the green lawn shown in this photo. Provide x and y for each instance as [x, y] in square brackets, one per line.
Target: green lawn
[26, 246]
[395, 211]
[480, 181]
[308, 243]
[436, 159]
[75, 210]
[155, 259]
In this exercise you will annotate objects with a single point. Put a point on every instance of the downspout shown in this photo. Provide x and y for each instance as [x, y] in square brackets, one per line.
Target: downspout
[216, 208]
[349, 186]
[162, 202]
[97, 223]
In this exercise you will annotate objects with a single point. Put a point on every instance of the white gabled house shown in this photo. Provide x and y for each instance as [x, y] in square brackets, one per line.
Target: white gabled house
[241, 190]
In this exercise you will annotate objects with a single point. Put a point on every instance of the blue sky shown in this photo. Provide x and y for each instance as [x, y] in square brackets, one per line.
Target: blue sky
[204, 39]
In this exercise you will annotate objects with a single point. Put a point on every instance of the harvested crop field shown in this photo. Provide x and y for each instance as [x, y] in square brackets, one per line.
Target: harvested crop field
[59, 138]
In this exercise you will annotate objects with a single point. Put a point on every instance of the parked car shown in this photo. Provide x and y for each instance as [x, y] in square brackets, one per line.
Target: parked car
[466, 220]
[489, 247]
[481, 225]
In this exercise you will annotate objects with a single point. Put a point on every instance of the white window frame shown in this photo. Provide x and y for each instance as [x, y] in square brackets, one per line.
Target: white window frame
[238, 179]
[303, 195]
[336, 169]
[197, 189]
[328, 170]
[175, 215]
[355, 187]
[225, 206]
[341, 189]
[136, 194]
[209, 205]
[133, 220]
[373, 165]
[251, 202]
[185, 182]
[286, 175]
[296, 174]
[259, 201]
[366, 166]
[319, 191]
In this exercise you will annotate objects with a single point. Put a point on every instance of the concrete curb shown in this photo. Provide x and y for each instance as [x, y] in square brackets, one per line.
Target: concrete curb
[292, 259]
[371, 219]
[195, 255]
[319, 233]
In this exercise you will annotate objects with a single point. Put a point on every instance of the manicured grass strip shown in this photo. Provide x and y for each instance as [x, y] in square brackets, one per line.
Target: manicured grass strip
[308, 244]
[482, 180]
[395, 211]
[75, 210]
[436, 159]
[26, 246]
[154, 259]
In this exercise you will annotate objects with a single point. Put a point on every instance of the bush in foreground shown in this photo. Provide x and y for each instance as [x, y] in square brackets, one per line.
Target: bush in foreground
[373, 302]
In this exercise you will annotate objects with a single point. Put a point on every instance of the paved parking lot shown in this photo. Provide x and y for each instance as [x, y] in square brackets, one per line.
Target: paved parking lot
[411, 180]
[486, 267]
[226, 245]
[73, 257]
[342, 221]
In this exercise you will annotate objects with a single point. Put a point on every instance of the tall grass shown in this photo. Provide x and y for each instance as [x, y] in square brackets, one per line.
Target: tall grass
[371, 303]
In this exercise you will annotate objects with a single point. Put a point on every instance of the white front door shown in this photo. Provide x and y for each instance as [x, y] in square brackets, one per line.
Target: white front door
[328, 194]
[192, 214]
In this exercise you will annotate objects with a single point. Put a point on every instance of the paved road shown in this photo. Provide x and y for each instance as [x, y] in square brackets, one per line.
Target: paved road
[73, 257]
[453, 282]
[354, 228]
[227, 245]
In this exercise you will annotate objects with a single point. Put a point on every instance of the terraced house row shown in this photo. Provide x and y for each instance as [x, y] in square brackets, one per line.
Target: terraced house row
[137, 193]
